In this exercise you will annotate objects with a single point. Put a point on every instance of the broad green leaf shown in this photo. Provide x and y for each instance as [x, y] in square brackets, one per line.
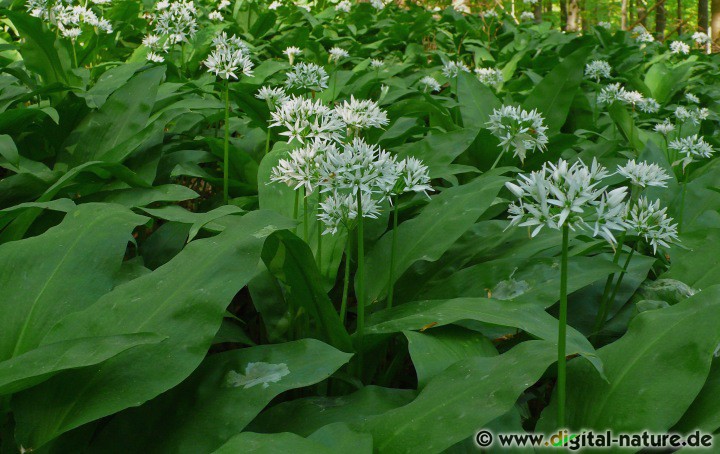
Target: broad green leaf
[185, 299]
[306, 415]
[140, 197]
[290, 260]
[427, 236]
[175, 213]
[434, 350]
[665, 81]
[704, 413]
[219, 399]
[662, 348]
[526, 316]
[461, 400]
[477, 101]
[64, 270]
[553, 96]
[108, 82]
[37, 365]
[328, 440]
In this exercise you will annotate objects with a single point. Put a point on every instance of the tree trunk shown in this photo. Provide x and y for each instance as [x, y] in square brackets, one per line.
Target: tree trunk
[564, 14]
[584, 17]
[715, 20]
[703, 19]
[660, 20]
[548, 6]
[624, 14]
[680, 18]
[538, 12]
[573, 16]
[642, 12]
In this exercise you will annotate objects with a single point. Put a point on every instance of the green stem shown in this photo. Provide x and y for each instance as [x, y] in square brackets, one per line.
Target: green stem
[562, 328]
[226, 144]
[319, 242]
[611, 300]
[608, 286]
[682, 201]
[393, 250]
[305, 217]
[297, 207]
[346, 280]
[75, 60]
[267, 142]
[360, 279]
[497, 161]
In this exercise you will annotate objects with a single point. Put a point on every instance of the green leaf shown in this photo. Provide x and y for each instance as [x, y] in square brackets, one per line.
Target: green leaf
[553, 96]
[140, 197]
[662, 348]
[219, 399]
[477, 101]
[704, 413]
[434, 350]
[528, 317]
[185, 299]
[330, 439]
[175, 213]
[427, 236]
[290, 260]
[460, 400]
[64, 270]
[39, 364]
[665, 81]
[108, 82]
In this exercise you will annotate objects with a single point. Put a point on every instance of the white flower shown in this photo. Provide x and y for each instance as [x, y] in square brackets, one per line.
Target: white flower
[518, 130]
[451, 69]
[272, 96]
[645, 37]
[461, 6]
[412, 177]
[490, 76]
[701, 38]
[490, 14]
[378, 4]
[598, 69]
[178, 20]
[275, 5]
[649, 105]
[358, 167]
[695, 115]
[692, 98]
[530, 2]
[302, 168]
[308, 76]
[342, 210]
[605, 25]
[223, 4]
[336, 54]
[343, 7]
[562, 195]
[633, 97]
[154, 57]
[361, 114]
[229, 56]
[692, 147]
[429, 83]
[611, 93]
[72, 33]
[527, 16]
[652, 223]
[215, 15]
[291, 52]
[307, 120]
[376, 63]
[644, 174]
[665, 127]
[679, 47]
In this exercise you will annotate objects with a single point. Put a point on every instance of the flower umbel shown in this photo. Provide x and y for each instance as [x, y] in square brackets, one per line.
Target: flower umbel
[518, 130]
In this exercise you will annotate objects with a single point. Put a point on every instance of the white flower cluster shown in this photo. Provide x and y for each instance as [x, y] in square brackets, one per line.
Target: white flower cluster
[69, 18]
[274, 97]
[291, 52]
[518, 130]
[491, 14]
[644, 174]
[692, 148]
[598, 69]
[429, 83]
[343, 7]
[461, 6]
[679, 47]
[530, 2]
[275, 5]
[692, 98]
[361, 114]
[642, 35]
[561, 195]
[376, 63]
[307, 76]
[490, 76]
[379, 4]
[451, 69]
[665, 127]
[604, 24]
[616, 92]
[306, 120]
[230, 55]
[701, 38]
[527, 16]
[336, 54]
[694, 115]
[177, 21]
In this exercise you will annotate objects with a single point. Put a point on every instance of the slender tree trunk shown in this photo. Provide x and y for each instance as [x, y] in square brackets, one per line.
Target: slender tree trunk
[642, 12]
[584, 16]
[660, 20]
[680, 18]
[548, 6]
[538, 12]
[573, 16]
[564, 14]
[624, 14]
[715, 20]
[703, 20]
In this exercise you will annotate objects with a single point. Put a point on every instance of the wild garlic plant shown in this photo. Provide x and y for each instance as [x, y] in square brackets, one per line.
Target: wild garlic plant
[175, 23]
[596, 71]
[229, 59]
[519, 131]
[573, 197]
